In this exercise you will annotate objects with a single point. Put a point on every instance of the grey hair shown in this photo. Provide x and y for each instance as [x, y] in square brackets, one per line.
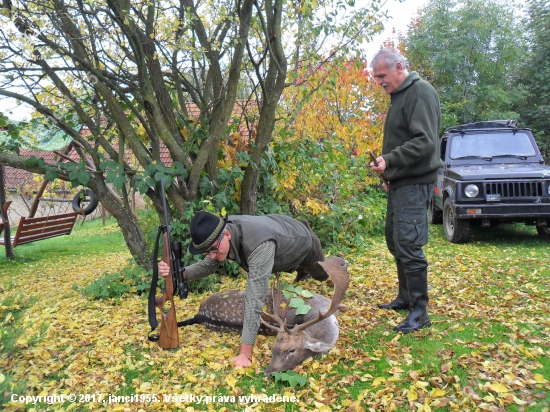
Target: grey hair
[388, 57]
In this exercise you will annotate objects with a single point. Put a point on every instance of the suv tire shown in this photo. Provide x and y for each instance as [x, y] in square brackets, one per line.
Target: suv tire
[435, 215]
[456, 230]
[544, 231]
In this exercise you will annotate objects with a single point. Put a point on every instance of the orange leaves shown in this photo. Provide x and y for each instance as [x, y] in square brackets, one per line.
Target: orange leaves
[345, 106]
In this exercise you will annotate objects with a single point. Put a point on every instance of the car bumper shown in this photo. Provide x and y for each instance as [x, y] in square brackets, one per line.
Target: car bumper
[503, 211]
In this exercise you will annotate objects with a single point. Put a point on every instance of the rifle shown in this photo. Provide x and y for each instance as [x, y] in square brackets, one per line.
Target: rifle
[168, 335]
[373, 158]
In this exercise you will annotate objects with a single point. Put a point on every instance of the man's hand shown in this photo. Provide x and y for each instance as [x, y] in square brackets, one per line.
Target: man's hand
[241, 361]
[380, 167]
[164, 269]
[245, 357]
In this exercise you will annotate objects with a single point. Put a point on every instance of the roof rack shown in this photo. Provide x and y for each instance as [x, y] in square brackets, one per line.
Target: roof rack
[492, 124]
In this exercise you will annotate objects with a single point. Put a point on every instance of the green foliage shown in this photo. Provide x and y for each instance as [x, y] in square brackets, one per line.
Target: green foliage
[323, 184]
[290, 378]
[78, 173]
[535, 76]
[296, 295]
[132, 279]
[470, 51]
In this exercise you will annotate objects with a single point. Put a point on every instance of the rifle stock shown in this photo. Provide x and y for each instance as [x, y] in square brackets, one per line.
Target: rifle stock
[168, 333]
[169, 337]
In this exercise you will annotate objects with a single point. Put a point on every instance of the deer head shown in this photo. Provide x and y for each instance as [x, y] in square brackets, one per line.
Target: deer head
[294, 345]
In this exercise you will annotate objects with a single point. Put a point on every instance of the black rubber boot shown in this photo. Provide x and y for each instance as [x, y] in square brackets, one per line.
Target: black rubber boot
[301, 274]
[418, 303]
[401, 302]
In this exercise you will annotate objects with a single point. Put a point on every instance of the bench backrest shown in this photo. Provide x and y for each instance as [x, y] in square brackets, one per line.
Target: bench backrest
[38, 228]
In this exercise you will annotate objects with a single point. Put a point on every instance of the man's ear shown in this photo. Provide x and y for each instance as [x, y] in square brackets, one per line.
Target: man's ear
[227, 234]
[399, 68]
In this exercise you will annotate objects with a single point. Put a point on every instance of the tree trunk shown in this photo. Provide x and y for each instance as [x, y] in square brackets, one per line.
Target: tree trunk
[133, 235]
[7, 232]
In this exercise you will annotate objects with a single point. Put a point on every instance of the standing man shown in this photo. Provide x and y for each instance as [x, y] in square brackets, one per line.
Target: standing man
[409, 162]
[261, 245]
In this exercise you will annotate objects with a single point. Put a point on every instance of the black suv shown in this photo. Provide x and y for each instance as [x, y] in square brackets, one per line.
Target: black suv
[493, 172]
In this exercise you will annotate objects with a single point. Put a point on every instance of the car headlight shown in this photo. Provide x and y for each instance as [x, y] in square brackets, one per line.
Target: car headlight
[471, 191]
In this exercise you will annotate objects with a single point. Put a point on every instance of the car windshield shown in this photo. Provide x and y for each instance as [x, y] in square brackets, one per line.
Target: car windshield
[487, 146]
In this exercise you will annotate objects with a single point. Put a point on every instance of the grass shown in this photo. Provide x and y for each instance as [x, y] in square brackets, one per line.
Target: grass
[488, 348]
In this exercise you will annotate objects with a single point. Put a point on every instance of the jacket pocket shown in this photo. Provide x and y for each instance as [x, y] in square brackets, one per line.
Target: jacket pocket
[413, 226]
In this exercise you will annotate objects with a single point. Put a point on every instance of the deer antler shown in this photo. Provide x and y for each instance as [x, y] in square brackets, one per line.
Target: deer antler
[277, 297]
[340, 278]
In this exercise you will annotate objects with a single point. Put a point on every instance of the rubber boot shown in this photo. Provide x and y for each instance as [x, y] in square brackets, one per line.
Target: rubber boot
[401, 302]
[301, 274]
[418, 303]
[316, 271]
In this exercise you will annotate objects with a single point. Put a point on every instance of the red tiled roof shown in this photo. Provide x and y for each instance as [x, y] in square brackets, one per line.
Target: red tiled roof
[17, 179]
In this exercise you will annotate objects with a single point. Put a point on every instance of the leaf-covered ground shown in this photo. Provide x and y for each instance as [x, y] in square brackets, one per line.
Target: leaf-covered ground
[488, 348]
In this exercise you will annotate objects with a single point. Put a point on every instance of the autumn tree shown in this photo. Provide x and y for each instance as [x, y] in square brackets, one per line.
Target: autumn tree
[130, 71]
[535, 76]
[337, 118]
[470, 51]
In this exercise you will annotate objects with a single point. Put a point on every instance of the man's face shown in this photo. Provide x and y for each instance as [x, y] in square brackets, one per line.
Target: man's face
[220, 249]
[390, 78]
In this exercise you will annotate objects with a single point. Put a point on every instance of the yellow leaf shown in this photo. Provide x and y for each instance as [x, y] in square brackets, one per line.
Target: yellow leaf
[540, 379]
[21, 341]
[378, 381]
[519, 401]
[498, 387]
[437, 393]
[145, 386]
[231, 381]
[190, 377]
[412, 395]
[322, 407]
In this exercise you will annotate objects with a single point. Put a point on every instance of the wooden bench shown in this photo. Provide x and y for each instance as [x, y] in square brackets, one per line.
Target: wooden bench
[31, 229]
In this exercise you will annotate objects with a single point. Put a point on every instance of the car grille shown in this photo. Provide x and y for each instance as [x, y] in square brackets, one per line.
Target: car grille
[515, 190]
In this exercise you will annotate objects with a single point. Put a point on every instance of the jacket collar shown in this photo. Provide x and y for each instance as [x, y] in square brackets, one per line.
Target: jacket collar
[409, 80]
[234, 244]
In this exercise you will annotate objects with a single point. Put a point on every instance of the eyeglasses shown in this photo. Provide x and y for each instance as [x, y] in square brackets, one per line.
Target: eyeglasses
[215, 249]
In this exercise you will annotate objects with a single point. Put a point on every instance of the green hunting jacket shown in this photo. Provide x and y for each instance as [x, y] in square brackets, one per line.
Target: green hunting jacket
[293, 239]
[411, 134]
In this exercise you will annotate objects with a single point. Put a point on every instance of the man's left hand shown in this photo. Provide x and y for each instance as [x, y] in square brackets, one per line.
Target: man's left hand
[242, 361]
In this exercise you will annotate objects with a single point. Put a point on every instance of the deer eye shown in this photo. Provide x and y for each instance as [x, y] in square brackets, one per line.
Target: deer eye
[291, 352]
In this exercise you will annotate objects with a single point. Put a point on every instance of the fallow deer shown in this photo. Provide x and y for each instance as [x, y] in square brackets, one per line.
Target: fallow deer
[298, 337]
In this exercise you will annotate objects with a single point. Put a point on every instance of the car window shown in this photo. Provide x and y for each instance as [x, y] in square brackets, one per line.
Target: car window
[489, 145]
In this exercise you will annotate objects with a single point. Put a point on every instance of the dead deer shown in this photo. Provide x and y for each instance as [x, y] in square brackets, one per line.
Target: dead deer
[298, 337]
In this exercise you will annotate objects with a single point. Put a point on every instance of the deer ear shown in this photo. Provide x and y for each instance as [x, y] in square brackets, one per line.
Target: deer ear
[316, 345]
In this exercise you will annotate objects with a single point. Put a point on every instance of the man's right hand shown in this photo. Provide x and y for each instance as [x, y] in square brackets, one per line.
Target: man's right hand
[164, 269]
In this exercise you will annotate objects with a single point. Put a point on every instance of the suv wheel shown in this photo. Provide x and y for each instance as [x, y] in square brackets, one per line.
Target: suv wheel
[456, 230]
[544, 231]
[435, 215]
